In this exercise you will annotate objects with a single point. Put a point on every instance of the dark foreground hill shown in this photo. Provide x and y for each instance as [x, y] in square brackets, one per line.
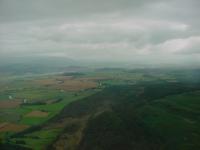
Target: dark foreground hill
[145, 116]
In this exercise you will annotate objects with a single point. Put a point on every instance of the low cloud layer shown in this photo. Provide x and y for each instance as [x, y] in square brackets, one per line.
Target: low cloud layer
[115, 30]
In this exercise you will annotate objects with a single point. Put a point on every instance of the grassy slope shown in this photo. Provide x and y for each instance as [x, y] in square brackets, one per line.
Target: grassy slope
[153, 124]
[176, 119]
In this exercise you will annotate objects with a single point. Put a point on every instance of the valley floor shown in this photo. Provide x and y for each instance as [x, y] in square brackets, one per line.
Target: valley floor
[102, 110]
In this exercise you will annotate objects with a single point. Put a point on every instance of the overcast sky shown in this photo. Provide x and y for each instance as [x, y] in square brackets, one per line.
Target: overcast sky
[165, 30]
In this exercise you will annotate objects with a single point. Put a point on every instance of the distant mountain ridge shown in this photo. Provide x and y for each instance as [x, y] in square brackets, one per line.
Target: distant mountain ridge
[21, 65]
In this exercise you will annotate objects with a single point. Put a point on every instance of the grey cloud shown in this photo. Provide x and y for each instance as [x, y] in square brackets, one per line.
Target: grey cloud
[29, 9]
[113, 29]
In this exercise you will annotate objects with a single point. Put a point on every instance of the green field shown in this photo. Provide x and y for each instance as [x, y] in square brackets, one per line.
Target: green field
[129, 109]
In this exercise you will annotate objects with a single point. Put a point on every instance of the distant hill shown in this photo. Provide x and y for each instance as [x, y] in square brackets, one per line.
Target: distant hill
[23, 65]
